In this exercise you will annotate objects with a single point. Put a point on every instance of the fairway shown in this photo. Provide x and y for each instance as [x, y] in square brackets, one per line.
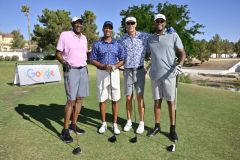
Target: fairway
[31, 119]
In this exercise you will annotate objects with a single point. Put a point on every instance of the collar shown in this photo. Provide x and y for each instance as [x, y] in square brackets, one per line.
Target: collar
[137, 34]
[164, 32]
[113, 41]
[74, 34]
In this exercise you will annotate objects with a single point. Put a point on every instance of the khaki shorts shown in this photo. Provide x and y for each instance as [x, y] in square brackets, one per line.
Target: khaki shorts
[104, 86]
[164, 89]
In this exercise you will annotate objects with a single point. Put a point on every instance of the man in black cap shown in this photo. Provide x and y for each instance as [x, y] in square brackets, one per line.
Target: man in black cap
[108, 55]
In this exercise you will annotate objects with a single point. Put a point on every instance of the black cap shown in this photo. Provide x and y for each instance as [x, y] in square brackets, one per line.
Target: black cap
[108, 23]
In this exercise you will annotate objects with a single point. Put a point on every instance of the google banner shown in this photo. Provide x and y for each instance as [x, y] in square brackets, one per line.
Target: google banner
[32, 74]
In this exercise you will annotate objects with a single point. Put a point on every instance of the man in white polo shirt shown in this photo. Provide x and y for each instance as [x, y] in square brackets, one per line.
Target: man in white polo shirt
[164, 47]
[72, 53]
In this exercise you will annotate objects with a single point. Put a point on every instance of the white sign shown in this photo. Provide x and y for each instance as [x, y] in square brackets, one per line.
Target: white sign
[32, 74]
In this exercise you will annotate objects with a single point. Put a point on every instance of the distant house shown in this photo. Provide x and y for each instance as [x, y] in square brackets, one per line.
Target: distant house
[6, 41]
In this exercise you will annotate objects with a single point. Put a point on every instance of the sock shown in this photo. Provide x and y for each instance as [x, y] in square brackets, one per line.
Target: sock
[157, 125]
[172, 128]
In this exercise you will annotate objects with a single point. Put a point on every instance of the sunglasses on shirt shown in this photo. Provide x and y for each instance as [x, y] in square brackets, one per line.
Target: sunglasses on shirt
[160, 21]
[130, 23]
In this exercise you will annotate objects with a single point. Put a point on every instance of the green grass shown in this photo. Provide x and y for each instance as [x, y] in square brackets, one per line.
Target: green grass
[31, 118]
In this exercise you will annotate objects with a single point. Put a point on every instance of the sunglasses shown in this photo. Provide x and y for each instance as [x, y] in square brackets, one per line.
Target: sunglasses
[130, 23]
[160, 21]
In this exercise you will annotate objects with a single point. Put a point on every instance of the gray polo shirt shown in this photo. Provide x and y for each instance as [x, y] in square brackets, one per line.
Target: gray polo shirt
[163, 50]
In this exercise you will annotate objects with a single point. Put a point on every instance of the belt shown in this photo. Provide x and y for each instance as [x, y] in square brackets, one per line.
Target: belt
[138, 68]
[77, 67]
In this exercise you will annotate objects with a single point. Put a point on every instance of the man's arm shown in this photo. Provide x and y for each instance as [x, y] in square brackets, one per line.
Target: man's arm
[181, 56]
[98, 64]
[59, 56]
[66, 65]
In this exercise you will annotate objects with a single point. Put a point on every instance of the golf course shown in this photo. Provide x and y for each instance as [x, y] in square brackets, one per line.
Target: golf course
[31, 119]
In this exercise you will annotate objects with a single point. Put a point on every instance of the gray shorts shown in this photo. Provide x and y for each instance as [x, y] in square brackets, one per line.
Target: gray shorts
[164, 89]
[76, 83]
[136, 77]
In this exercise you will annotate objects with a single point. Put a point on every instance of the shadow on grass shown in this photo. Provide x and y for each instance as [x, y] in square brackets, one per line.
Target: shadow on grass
[54, 112]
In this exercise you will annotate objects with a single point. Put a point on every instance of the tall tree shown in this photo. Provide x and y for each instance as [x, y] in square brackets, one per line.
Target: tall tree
[215, 45]
[228, 47]
[90, 27]
[25, 9]
[178, 17]
[144, 15]
[18, 40]
[53, 23]
[237, 48]
[202, 51]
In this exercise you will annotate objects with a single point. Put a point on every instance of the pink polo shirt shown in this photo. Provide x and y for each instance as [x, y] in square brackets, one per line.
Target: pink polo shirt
[73, 48]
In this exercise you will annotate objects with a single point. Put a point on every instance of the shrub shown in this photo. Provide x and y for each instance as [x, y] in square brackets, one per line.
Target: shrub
[15, 58]
[50, 57]
[7, 58]
[1, 58]
[185, 78]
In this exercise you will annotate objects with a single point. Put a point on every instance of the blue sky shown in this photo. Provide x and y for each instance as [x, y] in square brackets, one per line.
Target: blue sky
[218, 16]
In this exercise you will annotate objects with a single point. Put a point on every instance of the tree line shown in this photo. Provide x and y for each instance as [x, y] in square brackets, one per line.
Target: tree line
[178, 17]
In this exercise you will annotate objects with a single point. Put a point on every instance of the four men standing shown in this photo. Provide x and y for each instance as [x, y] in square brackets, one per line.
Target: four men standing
[108, 55]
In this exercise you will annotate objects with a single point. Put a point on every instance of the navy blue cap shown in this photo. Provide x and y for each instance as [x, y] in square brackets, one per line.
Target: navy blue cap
[108, 23]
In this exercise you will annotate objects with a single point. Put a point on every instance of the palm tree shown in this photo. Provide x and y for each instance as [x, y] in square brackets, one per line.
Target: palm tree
[25, 10]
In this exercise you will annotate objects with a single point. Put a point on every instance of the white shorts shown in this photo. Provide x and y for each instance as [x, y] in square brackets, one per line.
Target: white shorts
[164, 89]
[104, 85]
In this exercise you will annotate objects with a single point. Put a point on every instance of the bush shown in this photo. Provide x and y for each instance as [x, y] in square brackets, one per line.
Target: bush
[185, 78]
[15, 58]
[7, 58]
[50, 57]
[1, 58]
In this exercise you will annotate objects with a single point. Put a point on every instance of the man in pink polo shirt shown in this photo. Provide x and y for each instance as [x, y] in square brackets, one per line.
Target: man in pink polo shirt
[72, 53]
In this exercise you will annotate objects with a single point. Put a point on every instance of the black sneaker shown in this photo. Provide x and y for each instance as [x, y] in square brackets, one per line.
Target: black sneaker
[173, 136]
[65, 136]
[154, 131]
[78, 130]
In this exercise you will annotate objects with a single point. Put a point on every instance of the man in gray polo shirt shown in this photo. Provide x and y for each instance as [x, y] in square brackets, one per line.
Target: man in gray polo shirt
[163, 47]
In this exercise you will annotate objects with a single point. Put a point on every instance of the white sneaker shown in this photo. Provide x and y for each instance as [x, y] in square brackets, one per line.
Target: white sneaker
[128, 126]
[140, 128]
[116, 130]
[103, 128]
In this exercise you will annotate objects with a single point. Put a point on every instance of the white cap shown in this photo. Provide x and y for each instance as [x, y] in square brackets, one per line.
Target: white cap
[131, 19]
[74, 19]
[158, 16]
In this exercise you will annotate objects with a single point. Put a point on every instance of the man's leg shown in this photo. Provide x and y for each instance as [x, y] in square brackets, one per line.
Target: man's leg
[141, 110]
[102, 107]
[157, 115]
[115, 111]
[129, 107]
[65, 135]
[141, 106]
[68, 113]
[77, 110]
[78, 107]
[172, 109]
[115, 108]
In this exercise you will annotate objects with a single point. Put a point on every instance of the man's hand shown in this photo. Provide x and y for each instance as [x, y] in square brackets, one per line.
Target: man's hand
[66, 66]
[113, 68]
[178, 70]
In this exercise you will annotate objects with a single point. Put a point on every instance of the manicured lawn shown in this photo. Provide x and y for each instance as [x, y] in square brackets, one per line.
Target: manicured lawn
[31, 118]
